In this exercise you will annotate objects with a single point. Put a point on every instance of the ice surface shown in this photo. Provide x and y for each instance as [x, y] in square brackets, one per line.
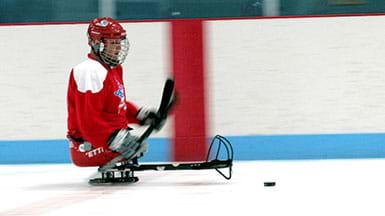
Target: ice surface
[314, 187]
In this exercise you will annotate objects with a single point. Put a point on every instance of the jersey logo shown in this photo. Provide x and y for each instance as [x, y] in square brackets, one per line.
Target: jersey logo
[94, 152]
[120, 94]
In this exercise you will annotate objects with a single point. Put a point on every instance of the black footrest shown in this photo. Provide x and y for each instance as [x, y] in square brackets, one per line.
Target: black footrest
[114, 176]
[119, 180]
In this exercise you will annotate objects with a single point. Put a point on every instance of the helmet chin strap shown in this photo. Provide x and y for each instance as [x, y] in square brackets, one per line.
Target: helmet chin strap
[101, 47]
[100, 50]
[97, 49]
[107, 55]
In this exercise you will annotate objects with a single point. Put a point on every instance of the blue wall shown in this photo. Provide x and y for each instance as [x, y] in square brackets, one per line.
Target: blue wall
[274, 147]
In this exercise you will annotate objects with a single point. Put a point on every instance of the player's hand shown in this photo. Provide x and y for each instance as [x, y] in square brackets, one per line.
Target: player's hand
[150, 117]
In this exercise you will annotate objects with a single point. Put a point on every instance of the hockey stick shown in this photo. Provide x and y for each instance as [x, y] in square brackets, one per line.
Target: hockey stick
[166, 103]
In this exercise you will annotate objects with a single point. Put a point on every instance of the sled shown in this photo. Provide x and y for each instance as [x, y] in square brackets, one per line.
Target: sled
[219, 158]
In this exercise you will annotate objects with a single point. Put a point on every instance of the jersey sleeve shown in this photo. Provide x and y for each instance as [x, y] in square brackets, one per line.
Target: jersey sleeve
[131, 112]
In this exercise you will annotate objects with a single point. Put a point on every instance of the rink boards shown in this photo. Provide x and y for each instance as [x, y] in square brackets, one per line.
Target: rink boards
[279, 88]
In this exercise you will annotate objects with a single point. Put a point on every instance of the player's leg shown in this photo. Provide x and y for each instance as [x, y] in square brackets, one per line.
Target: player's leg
[121, 143]
[84, 154]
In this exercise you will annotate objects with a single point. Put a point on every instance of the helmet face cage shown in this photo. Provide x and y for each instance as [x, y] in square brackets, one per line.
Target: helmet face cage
[113, 51]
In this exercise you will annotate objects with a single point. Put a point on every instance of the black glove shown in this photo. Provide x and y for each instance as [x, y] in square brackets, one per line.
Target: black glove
[150, 117]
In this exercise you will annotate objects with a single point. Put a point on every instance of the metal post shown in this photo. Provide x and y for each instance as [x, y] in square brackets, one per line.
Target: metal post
[107, 8]
[271, 7]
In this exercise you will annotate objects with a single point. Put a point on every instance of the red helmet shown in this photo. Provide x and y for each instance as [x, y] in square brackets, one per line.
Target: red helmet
[104, 29]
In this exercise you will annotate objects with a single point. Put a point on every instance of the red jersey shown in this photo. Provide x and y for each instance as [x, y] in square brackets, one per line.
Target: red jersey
[97, 107]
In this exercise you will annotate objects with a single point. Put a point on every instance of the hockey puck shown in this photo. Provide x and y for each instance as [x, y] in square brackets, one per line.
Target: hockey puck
[269, 184]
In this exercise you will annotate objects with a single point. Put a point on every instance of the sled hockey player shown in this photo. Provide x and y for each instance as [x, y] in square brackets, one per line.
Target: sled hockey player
[98, 112]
